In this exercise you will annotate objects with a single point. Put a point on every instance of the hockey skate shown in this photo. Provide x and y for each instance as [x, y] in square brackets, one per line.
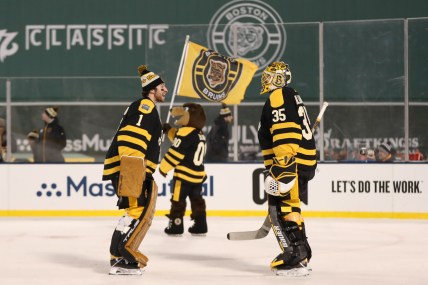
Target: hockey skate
[199, 227]
[175, 226]
[299, 270]
[120, 266]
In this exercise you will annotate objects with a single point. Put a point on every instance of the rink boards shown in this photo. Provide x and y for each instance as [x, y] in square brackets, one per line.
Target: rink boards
[338, 190]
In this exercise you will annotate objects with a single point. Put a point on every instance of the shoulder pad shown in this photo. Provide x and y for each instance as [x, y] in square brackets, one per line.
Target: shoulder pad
[276, 98]
[146, 106]
[184, 131]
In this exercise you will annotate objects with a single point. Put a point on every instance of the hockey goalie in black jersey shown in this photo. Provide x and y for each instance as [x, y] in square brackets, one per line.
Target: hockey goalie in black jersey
[130, 162]
[289, 154]
[186, 157]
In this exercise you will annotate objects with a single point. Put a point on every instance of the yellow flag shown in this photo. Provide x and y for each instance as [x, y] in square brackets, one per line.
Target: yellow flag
[214, 77]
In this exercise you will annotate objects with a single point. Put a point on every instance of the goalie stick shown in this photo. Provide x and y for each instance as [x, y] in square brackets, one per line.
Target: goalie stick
[265, 228]
[249, 235]
[321, 113]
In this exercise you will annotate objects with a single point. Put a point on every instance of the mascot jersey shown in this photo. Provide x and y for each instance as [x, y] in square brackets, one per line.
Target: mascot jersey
[186, 155]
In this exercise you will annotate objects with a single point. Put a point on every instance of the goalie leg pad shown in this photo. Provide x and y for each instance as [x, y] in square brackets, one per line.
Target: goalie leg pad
[290, 234]
[276, 224]
[297, 218]
[121, 229]
[131, 241]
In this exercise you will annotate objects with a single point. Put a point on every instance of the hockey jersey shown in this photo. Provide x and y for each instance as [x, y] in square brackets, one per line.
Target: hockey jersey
[186, 156]
[284, 129]
[139, 134]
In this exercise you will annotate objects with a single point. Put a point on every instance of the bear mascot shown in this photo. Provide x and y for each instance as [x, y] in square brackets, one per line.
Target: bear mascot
[186, 157]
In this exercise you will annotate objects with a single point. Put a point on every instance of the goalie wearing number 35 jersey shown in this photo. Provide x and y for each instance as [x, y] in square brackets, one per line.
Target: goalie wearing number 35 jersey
[285, 130]
[289, 153]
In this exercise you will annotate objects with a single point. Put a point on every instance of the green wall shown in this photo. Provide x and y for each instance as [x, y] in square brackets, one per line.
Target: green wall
[363, 60]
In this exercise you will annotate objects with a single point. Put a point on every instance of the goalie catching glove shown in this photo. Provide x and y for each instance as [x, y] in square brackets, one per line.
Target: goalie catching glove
[281, 176]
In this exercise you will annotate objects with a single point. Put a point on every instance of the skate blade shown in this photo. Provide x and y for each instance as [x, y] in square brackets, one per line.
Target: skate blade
[295, 272]
[125, 271]
[174, 235]
[198, 235]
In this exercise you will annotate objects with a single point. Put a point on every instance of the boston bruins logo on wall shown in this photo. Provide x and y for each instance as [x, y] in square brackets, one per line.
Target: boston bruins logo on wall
[214, 75]
[250, 29]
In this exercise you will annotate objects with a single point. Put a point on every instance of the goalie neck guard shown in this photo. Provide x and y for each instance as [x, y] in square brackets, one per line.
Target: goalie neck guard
[276, 75]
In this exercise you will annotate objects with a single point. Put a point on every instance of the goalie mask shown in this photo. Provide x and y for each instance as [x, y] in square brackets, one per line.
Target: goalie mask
[276, 75]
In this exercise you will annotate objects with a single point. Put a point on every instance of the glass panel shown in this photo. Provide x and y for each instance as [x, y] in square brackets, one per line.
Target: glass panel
[212, 111]
[3, 134]
[248, 142]
[166, 60]
[348, 129]
[418, 60]
[418, 133]
[88, 129]
[75, 89]
[2, 90]
[302, 54]
[363, 61]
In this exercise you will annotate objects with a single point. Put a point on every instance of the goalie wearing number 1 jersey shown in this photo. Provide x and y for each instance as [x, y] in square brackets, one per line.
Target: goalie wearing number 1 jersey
[186, 157]
[130, 162]
[289, 153]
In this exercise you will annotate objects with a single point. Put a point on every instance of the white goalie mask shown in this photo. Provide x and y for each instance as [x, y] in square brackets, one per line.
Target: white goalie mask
[277, 188]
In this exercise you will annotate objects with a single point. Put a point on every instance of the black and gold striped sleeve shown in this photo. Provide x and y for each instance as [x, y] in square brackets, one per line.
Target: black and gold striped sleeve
[185, 156]
[171, 159]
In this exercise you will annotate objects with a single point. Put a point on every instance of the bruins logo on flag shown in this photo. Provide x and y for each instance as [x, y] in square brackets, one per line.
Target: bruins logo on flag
[214, 75]
[209, 75]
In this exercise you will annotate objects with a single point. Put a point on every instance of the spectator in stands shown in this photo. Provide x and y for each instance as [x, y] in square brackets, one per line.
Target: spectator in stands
[385, 152]
[47, 143]
[416, 155]
[218, 137]
[3, 140]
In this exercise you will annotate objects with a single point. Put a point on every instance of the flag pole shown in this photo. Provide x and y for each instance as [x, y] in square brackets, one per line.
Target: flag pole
[179, 74]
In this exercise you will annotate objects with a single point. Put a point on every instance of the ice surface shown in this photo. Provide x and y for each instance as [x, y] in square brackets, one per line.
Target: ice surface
[75, 251]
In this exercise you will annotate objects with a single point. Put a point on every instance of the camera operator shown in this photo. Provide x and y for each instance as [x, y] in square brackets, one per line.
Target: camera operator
[367, 154]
